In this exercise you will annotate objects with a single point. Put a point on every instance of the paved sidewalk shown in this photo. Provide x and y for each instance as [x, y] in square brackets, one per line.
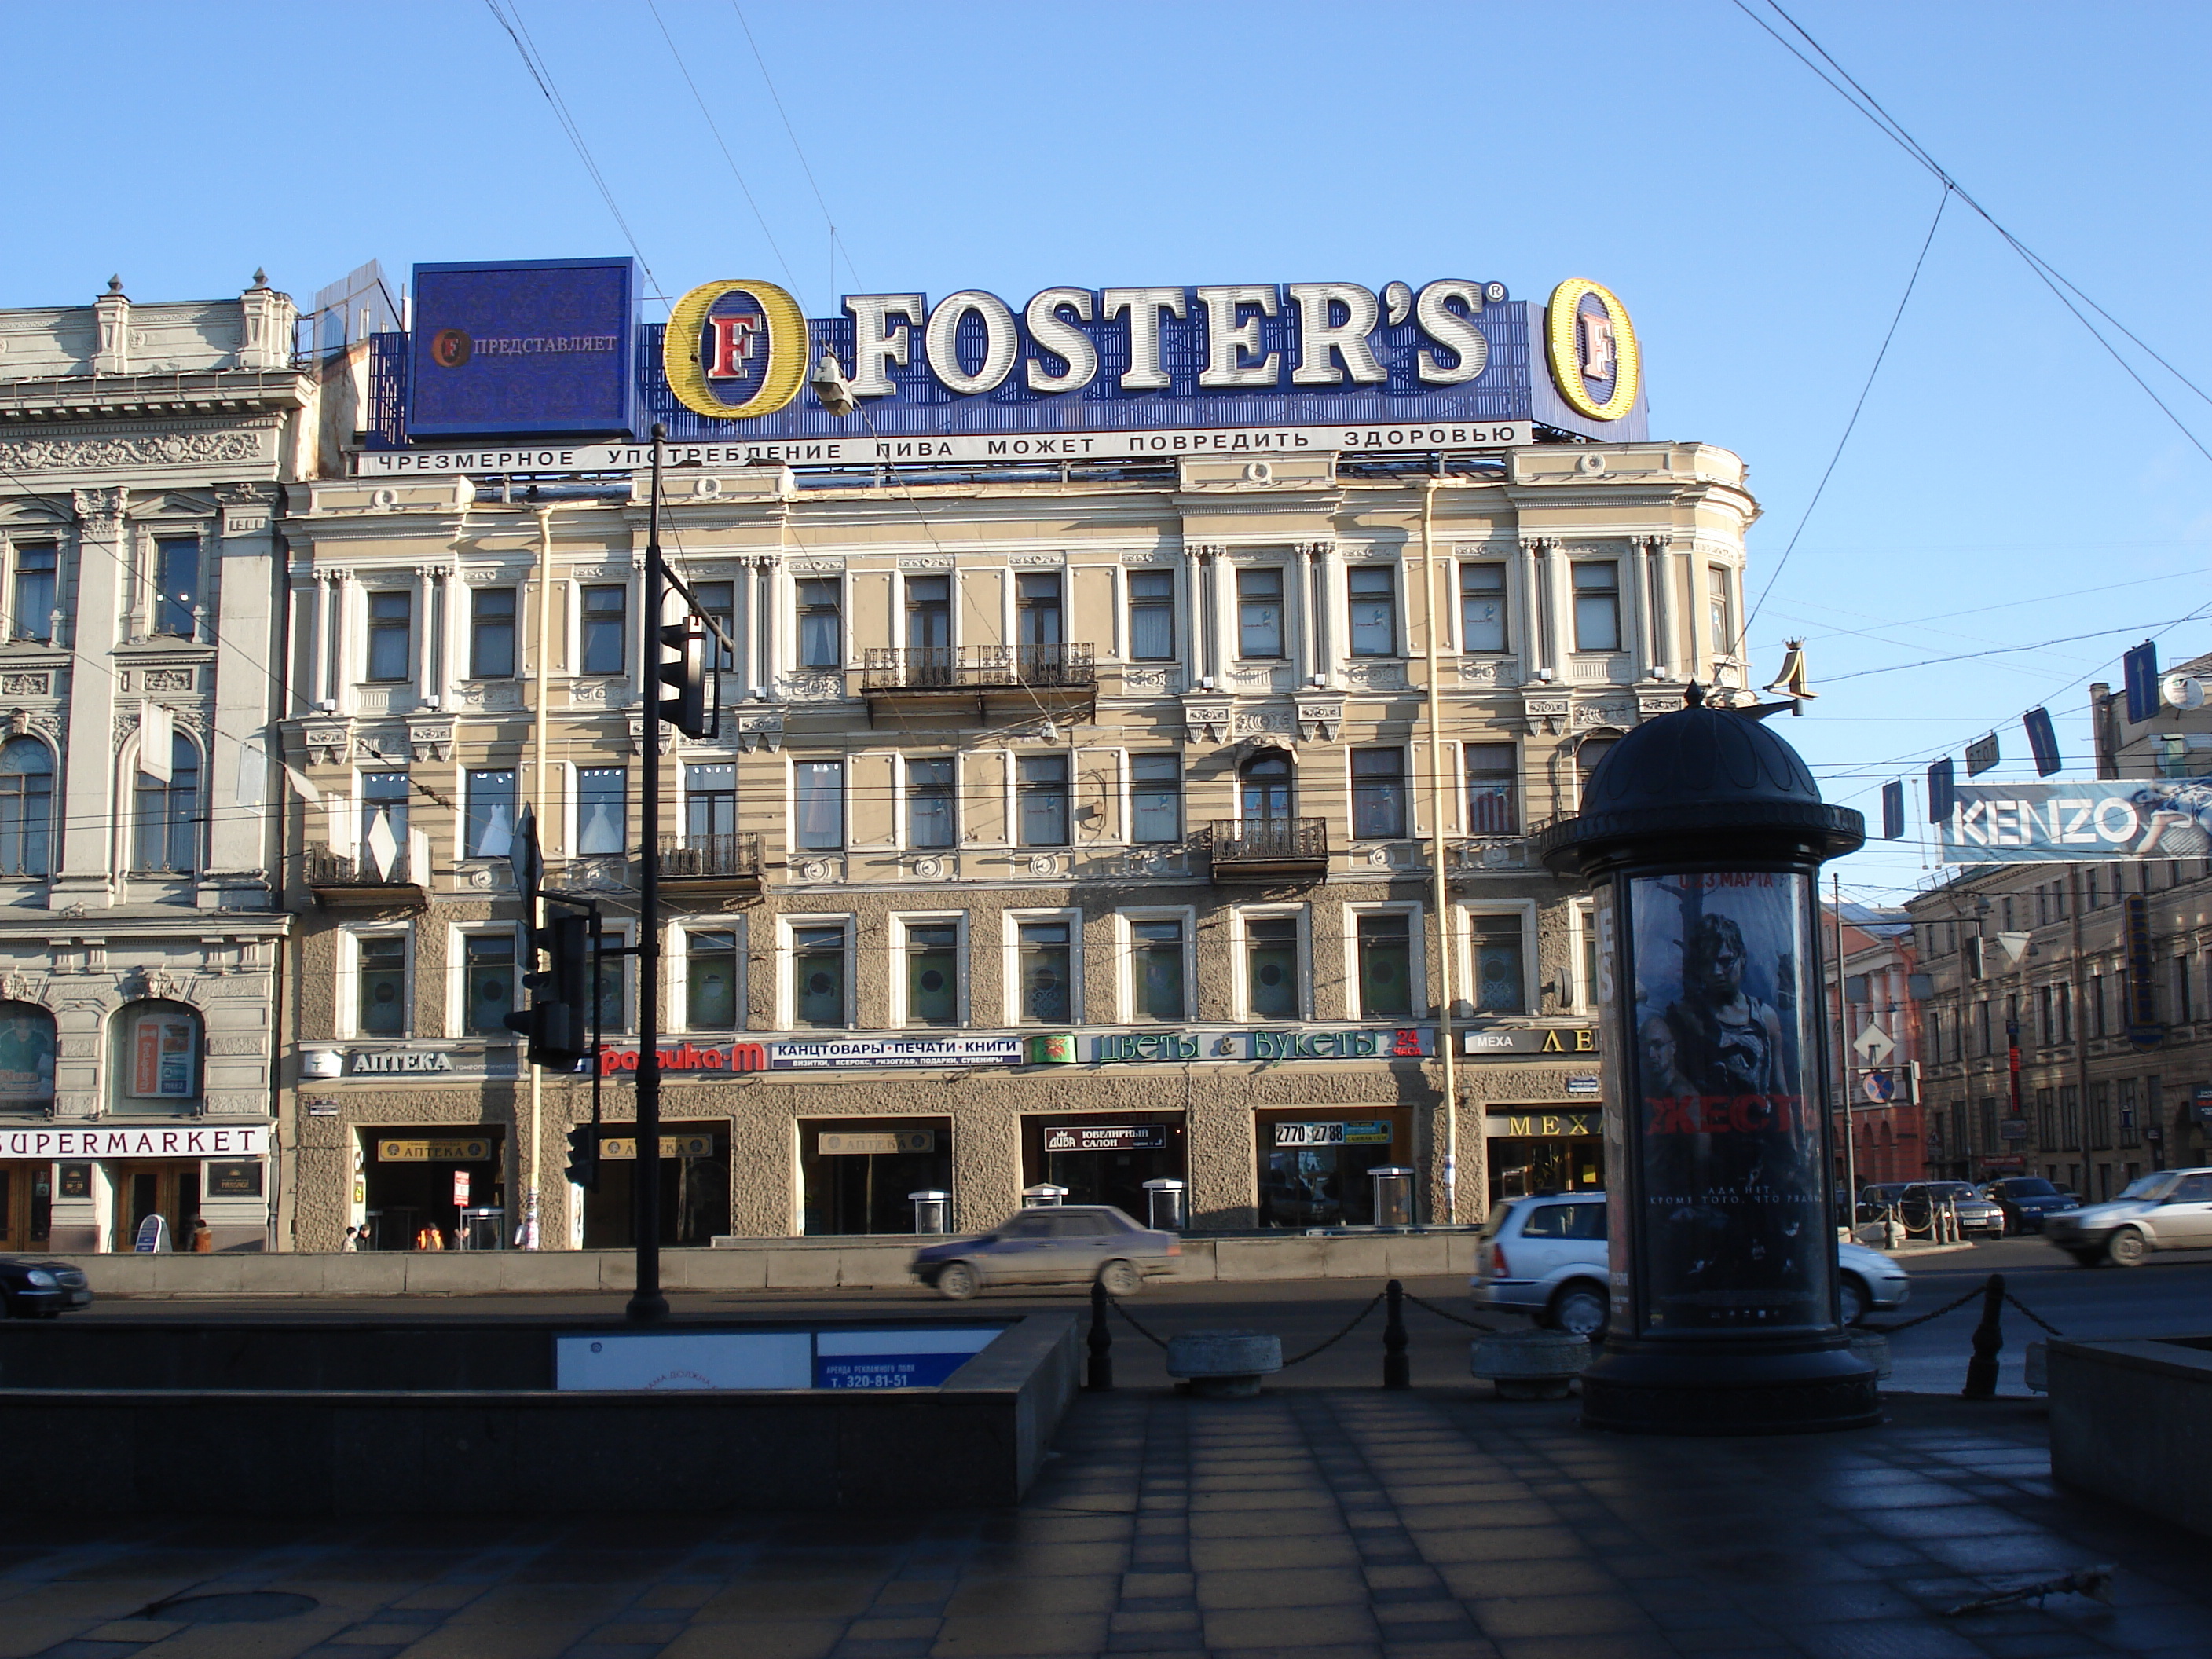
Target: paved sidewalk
[1318, 1524]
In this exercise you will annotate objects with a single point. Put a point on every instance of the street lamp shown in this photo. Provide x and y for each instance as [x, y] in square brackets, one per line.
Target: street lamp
[1702, 835]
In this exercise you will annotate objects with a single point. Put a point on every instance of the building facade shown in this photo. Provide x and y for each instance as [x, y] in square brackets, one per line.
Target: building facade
[144, 452]
[1070, 827]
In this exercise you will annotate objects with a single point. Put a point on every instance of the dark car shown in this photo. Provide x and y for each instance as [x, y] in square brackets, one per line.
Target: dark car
[2027, 1199]
[41, 1290]
[1051, 1244]
[1877, 1199]
[1921, 1201]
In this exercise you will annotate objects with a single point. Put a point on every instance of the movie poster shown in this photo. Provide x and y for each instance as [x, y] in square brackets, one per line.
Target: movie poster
[1726, 1079]
[163, 1057]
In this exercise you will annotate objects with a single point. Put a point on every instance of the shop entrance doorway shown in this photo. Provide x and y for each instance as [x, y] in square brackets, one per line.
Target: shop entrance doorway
[695, 1188]
[857, 1172]
[171, 1191]
[420, 1179]
[26, 1206]
[1545, 1150]
[1105, 1159]
[1314, 1164]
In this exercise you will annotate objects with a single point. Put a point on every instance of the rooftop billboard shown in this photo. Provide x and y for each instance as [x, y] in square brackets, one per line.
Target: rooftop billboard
[523, 346]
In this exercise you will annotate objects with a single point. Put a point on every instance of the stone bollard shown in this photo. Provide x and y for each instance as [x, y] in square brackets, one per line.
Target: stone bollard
[1872, 1348]
[1529, 1364]
[1224, 1364]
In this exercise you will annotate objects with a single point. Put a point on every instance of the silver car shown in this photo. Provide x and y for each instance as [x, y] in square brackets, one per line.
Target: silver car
[1053, 1244]
[1546, 1256]
[2171, 1210]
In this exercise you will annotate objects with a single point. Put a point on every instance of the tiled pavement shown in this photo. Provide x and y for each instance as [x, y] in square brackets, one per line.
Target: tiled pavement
[1322, 1524]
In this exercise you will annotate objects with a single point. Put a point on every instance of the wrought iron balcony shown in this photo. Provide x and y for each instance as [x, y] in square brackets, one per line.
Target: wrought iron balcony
[1270, 849]
[730, 861]
[971, 668]
[339, 883]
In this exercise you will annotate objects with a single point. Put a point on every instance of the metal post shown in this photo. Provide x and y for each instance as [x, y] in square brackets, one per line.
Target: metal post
[646, 1303]
[1440, 899]
[1100, 1379]
[1844, 1064]
[1397, 1369]
[1989, 1341]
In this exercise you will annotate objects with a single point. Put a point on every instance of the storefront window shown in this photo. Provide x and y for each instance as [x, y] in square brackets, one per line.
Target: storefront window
[1157, 951]
[157, 1054]
[488, 983]
[856, 1173]
[1046, 980]
[1386, 979]
[1500, 986]
[27, 1055]
[711, 982]
[933, 973]
[1545, 1149]
[817, 977]
[1314, 1167]
[1271, 967]
[26, 1206]
[695, 1187]
[417, 1181]
[1105, 1158]
[382, 970]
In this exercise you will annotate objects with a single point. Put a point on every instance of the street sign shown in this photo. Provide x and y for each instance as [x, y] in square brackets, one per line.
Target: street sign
[1874, 1045]
[2012, 1129]
[1880, 1088]
[524, 859]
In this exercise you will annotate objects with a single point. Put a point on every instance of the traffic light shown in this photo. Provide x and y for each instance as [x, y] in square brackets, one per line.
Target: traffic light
[584, 1156]
[685, 708]
[558, 1021]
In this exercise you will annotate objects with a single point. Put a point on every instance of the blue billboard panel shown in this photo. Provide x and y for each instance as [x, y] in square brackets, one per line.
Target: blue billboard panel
[2047, 823]
[523, 346]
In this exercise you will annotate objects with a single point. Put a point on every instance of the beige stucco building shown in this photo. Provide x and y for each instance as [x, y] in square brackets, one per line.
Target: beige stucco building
[1066, 825]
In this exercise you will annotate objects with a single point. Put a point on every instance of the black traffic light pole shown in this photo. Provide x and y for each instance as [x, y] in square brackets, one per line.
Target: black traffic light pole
[646, 1303]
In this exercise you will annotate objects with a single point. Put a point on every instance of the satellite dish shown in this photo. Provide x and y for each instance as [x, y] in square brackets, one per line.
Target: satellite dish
[2182, 691]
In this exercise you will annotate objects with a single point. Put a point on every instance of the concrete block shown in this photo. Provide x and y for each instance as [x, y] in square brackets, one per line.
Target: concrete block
[279, 1275]
[528, 1271]
[2131, 1420]
[801, 1269]
[434, 1272]
[876, 1266]
[1247, 1259]
[373, 1272]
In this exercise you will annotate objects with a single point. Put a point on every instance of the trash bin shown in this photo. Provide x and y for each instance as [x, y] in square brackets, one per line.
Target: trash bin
[483, 1230]
[933, 1211]
[1041, 1195]
[1163, 1204]
[1393, 1194]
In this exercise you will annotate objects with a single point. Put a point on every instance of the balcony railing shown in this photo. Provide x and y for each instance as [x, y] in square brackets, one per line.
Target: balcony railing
[1270, 847]
[341, 882]
[734, 858]
[979, 667]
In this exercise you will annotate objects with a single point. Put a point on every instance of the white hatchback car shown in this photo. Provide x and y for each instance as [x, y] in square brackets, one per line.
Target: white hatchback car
[1546, 1256]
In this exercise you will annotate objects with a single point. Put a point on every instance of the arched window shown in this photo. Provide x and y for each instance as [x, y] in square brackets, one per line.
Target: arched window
[1264, 783]
[169, 813]
[26, 807]
[1588, 753]
[157, 1047]
[27, 1053]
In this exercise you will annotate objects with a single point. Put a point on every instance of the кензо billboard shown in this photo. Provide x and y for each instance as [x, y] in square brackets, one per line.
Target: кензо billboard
[523, 346]
[1455, 363]
[2044, 823]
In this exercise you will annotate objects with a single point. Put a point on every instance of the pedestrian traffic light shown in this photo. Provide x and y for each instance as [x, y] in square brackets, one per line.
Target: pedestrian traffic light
[584, 1156]
[685, 708]
[558, 1021]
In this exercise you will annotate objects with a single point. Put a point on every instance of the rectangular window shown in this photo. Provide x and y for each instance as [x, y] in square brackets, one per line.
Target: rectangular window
[27, 807]
[1373, 596]
[2046, 1120]
[818, 798]
[1042, 792]
[487, 983]
[492, 634]
[1046, 977]
[2130, 1126]
[2045, 1016]
[602, 811]
[169, 813]
[1982, 1027]
[1386, 968]
[710, 803]
[384, 825]
[1260, 613]
[1036, 609]
[1500, 985]
[817, 977]
[381, 971]
[1597, 606]
[606, 631]
[1156, 798]
[2185, 1003]
[931, 820]
[611, 990]
[1152, 615]
[821, 622]
[1156, 965]
[490, 826]
[718, 601]
[929, 615]
[1378, 795]
[933, 973]
[711, 982]
[37, 565]
[2070, 1114]
[1482, 608]
[1493, 792]
[391, 635]
[1271, 967]
[1720, 613]
[177, 583]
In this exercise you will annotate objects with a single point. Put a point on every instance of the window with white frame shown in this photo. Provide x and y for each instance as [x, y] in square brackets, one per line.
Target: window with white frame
[177, 586]
[1152, 615]
[602, 810]
[390, 634]
[1156, 798]
[817, 799]
[26, 807]
[1482, 622]
[1385, 941]
[612, 1001]
[167, 813]
[1597, 605]
[1273, 958]
[606, 629]
[820, 602]
[1159, 968]
[933, 817]
[1372, 593]
[1379, 793]
[929, 978]
[1044, 948]
[816, 953]
[384, 844]
[36, 575]
[1720, 611]
[379, 999]
[1041, 800]
[1496, 946]
[1259, 612]
[486, 964]
[714, 980]
[489, 831]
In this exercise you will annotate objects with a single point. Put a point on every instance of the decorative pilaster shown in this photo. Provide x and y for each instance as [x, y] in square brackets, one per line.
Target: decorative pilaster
[89, 767]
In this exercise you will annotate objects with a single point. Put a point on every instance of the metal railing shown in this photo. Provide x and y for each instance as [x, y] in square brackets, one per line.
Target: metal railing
[968, 667]
[1269, 841]
[733, 856]
[326, 867]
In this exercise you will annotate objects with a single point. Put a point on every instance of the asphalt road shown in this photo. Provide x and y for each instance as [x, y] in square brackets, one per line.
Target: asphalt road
[2169, 1295]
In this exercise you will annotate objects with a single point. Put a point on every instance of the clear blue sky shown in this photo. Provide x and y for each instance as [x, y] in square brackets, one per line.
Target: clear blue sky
[1758, 230]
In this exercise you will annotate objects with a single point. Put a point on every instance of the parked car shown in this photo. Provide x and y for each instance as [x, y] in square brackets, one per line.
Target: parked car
[2027, 1200]
[1878, 1198]
[2171, 1210]
[41, 1290]
[1053, 1245]
[1917, 1204]
[1546, 1256]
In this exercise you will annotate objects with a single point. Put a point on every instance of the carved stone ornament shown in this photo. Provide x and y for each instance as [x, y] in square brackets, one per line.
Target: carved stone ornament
[1161, 682]
[1548, 712]
[815, 567]
[599, 694]
[1204, 549]
[372, 749]
[1319, 719]
[1043, 864]
[99, 512]
[248, 494]
[491, 694]
[1496, 550]
[811, 688]
[156, 983]
[326, 744]
[1320, 549]
[925, 561]
[172, 679]
[430, 740]
[21, 986]
[1037, 560]
[27, 685]
[1611, 711]
[1147, 556]
[1489, 671]
[1375, 676]
[236, 1046]
[152, 449]
[754, 730]
[1649, 704]
[1259, 742]
[811, 870]
[668, 736]
[1274, 721]
[1207, 718]
[929, 869]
